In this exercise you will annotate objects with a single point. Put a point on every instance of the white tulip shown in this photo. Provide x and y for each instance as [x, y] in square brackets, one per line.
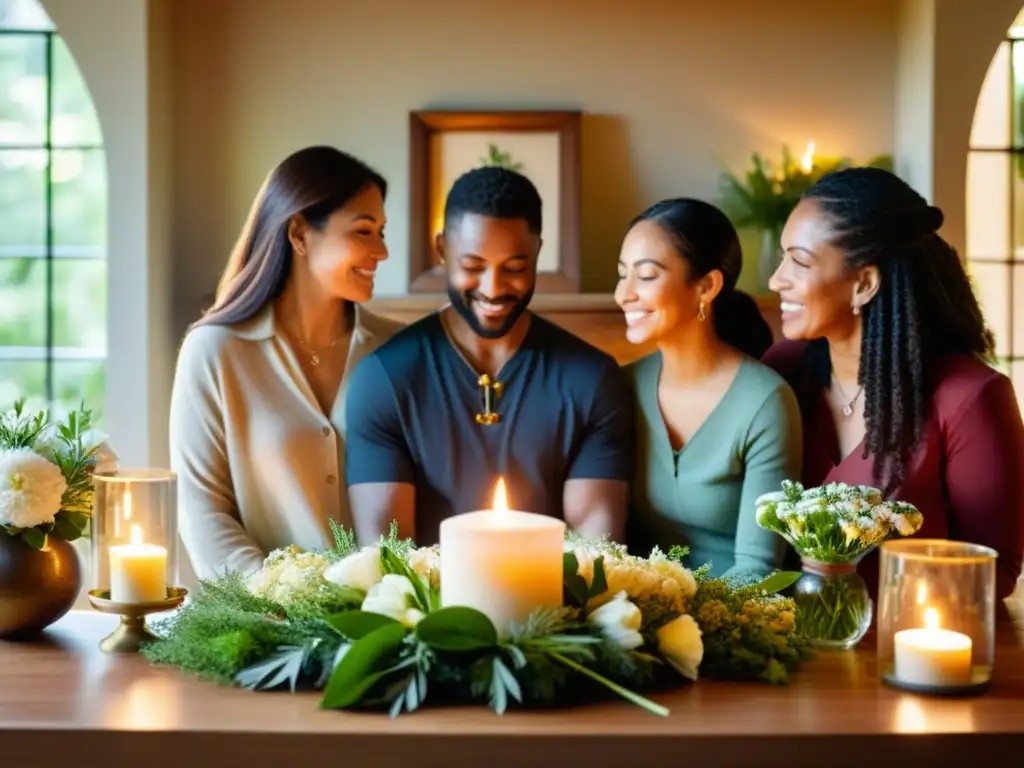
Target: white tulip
[619, 621]
[680, 643]
[361, 570]
[393, 597]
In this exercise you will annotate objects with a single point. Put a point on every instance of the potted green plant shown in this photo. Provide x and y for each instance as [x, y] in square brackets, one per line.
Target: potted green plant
[767, 193]
[46, 498]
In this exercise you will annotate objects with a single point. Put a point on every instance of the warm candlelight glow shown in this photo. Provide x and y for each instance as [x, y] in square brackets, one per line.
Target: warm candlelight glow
[922, 593]
[931, 656]
[138, 570]
[807, 161]
[500, 504]
[502, 562]
[127, 505]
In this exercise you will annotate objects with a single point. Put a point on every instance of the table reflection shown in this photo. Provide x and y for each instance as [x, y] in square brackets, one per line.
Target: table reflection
[146, 704]
[942, 716]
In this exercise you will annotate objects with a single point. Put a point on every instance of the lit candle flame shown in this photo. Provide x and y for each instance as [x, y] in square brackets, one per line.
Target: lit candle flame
[136, 535]
[807, 161]
[500, 504]
[931, 618]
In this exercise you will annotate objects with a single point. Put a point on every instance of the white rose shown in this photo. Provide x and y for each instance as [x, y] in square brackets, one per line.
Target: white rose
[426, 562]
[360, 570]
[31, 488]
[392, 597]
[680, 643]
[619, 621]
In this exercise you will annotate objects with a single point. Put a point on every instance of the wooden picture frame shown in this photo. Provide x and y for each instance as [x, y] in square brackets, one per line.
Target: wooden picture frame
[443, 144]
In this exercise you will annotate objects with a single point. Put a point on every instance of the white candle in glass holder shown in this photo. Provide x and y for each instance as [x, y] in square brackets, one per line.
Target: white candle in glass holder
[931, 656]
[504, 563]
[138, 571]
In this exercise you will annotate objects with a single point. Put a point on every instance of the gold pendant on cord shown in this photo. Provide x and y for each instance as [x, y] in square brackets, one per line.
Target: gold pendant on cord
[492, 391]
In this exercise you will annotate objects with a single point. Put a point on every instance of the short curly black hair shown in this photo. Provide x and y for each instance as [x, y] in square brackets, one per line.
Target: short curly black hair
[494, 191]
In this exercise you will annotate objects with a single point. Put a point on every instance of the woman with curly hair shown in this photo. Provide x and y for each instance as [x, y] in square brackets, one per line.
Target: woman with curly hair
[887, 351]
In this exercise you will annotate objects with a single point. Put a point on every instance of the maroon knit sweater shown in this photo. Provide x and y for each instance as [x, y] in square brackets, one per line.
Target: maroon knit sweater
[966, 476]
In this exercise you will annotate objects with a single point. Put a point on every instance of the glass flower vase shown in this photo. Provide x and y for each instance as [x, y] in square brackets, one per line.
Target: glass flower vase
[834, 607]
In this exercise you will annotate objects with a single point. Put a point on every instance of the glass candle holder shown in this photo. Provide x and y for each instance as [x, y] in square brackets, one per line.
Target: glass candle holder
[936, 615]
[135, 535]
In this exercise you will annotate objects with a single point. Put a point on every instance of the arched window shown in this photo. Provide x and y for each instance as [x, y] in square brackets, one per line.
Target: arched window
[53, 220]
[995, 202]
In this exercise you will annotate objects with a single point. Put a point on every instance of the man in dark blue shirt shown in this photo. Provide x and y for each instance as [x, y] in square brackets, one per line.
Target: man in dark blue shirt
[484, 389]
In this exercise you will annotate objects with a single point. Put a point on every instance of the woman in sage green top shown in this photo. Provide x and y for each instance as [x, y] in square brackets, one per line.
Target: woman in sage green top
[715, 427]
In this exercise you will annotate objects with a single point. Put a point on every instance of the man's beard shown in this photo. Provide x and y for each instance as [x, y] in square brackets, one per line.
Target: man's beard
[462, 303]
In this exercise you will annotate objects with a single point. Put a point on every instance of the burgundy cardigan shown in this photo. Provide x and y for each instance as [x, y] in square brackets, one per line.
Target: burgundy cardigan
[966, 475]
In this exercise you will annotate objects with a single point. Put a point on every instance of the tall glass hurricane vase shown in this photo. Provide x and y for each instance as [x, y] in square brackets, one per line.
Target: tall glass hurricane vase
[832, 528]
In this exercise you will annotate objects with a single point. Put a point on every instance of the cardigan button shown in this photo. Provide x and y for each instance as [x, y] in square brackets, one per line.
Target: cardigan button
[325, 431]
[331, 479]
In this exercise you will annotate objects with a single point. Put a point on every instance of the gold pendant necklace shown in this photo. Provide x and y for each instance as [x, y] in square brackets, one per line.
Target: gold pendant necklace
[314, 358]
[492, 388]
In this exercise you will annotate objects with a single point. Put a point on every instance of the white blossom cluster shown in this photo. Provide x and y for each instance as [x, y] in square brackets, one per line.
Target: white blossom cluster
[835, 523]
[291, 575]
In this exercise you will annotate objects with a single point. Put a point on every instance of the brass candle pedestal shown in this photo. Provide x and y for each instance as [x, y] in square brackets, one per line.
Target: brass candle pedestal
[132, 633]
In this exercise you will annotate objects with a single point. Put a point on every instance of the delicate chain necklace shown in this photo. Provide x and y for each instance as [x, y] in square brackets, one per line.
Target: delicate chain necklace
[851, 402]
[314, 358]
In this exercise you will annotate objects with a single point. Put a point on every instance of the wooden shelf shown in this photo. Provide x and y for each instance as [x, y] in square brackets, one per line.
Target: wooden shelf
[594, 317]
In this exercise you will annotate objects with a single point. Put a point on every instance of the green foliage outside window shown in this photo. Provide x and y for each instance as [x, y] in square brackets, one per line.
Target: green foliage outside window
[73, 167]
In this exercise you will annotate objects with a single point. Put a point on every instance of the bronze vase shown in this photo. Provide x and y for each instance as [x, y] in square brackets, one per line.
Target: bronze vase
[36, 588]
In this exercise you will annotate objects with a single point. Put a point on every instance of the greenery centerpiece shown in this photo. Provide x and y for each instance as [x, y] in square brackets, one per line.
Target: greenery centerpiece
[764, 196]
[832, 528]
[46, 495]
[365, 626]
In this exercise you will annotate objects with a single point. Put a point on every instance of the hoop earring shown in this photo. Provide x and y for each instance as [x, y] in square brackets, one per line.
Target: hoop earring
[700, 311]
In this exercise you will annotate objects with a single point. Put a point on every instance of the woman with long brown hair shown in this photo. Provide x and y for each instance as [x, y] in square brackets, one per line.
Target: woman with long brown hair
[257, 412]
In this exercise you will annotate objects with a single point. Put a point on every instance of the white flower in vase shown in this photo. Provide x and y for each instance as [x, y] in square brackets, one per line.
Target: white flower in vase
[31, 488]
[393, 597]
[361, 570]
[619, 621]
[680, 643]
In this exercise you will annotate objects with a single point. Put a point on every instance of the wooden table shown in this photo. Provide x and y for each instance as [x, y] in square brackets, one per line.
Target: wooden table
[64, 703]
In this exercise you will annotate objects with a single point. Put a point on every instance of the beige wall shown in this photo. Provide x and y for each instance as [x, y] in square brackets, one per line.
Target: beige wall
[666, 85]
[122, 49]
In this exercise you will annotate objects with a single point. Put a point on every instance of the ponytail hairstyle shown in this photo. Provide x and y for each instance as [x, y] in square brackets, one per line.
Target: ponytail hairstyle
[924, 309]
[312, 183]
[707, 240]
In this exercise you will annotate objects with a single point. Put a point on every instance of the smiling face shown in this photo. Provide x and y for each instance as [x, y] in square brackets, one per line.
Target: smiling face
[655, 290]
[343, 256]
[491, 266]
[817, 291]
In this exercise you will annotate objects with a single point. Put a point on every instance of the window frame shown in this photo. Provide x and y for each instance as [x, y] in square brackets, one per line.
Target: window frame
[50, 252]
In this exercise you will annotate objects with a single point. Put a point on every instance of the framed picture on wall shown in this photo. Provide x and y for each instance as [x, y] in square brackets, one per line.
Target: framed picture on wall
[544, 146]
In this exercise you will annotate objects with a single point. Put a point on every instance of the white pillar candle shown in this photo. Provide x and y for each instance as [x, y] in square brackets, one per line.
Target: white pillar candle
[505, 564]
[931, 656]
[138, 571]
